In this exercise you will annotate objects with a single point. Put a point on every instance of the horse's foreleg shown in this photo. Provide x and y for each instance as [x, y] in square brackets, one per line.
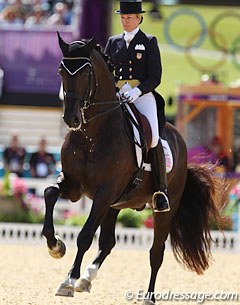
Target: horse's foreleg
[98, 212]
[106, 242]
[161, 230]
[55, 245]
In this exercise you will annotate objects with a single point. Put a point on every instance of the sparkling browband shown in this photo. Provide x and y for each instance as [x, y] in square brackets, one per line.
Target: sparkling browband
[74, 64]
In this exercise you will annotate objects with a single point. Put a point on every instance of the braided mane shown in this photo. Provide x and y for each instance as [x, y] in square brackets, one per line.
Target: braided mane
[106, 58]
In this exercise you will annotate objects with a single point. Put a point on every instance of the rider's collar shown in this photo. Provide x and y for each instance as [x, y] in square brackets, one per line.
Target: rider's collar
[132, 33]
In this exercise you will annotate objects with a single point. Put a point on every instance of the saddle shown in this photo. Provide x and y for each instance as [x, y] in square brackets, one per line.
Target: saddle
[141, 134]
[143, 122]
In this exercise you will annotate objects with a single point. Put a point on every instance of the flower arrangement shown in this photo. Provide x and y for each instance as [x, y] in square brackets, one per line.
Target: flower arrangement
[14, 189]
[16, 203]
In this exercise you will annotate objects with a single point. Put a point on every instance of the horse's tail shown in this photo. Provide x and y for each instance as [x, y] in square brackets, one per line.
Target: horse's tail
[190, 233]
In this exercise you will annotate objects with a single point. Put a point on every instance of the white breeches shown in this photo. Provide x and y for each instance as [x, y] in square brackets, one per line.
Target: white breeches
[146, 104]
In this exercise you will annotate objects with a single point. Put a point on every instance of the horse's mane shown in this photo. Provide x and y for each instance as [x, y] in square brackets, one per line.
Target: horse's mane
[106, 58]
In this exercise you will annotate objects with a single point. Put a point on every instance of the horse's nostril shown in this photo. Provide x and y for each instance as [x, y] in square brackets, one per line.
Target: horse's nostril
[76, 121]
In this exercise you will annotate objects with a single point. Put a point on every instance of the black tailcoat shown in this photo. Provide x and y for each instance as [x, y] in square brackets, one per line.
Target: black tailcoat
[141, 60]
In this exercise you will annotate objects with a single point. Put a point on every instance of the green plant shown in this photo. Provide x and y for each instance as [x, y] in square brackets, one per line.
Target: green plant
[23, 217]
[132, 218]
[75, 220]
[6, 189]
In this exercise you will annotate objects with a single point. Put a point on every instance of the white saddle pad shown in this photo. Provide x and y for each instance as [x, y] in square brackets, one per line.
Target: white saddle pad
[138, 150]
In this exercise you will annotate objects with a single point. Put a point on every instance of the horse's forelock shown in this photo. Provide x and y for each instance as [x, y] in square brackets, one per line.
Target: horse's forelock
[81, 48]
[78, 49]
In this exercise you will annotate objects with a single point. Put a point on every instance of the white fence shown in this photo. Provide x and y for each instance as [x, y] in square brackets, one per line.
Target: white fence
[127, 238]
[17, 233]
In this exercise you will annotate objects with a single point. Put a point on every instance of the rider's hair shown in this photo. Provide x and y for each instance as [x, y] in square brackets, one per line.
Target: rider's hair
[140, 17]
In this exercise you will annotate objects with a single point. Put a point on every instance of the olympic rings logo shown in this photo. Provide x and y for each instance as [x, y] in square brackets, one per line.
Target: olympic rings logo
[196, 40]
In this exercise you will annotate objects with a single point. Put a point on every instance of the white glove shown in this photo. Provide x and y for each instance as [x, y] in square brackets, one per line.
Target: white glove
[126, 87]
[133, 94]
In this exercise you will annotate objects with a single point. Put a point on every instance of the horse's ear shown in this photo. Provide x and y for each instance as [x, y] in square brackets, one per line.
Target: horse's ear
[63, 45]
[90, 45]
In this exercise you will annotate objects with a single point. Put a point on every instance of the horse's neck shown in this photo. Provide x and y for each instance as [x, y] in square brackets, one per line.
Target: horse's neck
[104, 117]
[105, 85]
[109, 122]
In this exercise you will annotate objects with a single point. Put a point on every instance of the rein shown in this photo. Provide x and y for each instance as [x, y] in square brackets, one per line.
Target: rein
[102, 113]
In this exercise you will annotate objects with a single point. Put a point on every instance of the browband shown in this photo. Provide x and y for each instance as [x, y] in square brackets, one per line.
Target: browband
[73, 64]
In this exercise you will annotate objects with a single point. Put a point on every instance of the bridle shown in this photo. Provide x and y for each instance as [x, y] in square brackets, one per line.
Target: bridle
[88, 99]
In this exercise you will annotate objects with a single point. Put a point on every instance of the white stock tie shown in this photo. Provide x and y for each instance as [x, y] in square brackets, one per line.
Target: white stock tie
[128, 38]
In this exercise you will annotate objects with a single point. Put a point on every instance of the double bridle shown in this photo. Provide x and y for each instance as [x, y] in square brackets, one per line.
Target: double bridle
[88, 99]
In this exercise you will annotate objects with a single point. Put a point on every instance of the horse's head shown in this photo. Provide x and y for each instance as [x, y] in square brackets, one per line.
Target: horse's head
[77, 77]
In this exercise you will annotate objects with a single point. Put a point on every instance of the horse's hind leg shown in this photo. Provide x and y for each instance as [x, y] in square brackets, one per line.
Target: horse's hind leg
[161, 231]
[55, 245]
[106, 243]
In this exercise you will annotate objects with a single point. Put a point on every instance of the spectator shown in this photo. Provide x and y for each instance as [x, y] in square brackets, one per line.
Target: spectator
[42, 163]
[217, 155]
[11, 15]
[14, 156]
[212, 154]
[18, 11]
[38, 16]
[61, 16]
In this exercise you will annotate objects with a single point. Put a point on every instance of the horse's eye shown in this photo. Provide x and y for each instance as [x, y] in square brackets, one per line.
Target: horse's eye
[88, 74]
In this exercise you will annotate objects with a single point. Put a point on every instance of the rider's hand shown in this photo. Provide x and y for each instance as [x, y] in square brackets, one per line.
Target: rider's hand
[132, 95]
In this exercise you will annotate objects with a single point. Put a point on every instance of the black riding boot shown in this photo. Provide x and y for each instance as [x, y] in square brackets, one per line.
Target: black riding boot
[158, 163]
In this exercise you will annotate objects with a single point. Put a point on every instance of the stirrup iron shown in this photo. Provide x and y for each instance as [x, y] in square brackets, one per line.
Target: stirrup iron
[157, 210]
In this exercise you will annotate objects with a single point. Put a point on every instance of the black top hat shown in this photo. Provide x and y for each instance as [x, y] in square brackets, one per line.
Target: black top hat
[130, 7]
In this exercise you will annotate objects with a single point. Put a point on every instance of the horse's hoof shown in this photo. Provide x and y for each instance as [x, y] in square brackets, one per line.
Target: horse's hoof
[65, 290]
[148, 302]
[59, 250]
[83, 285]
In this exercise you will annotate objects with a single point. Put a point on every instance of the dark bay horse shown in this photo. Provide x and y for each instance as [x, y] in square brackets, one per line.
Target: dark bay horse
[98, 160]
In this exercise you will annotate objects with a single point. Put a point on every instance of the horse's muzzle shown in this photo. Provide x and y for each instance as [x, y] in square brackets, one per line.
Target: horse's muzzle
[73, 122]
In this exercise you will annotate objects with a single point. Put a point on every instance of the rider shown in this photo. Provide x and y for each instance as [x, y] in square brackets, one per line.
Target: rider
[137, 60]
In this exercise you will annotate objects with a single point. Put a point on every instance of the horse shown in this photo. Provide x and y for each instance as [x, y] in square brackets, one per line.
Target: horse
[98, 161]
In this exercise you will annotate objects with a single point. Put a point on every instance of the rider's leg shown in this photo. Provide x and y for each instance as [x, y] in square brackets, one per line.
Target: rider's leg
[160, 198]
[146, 105]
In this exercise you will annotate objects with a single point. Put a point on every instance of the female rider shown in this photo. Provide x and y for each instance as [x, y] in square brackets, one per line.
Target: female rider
[137, 61]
